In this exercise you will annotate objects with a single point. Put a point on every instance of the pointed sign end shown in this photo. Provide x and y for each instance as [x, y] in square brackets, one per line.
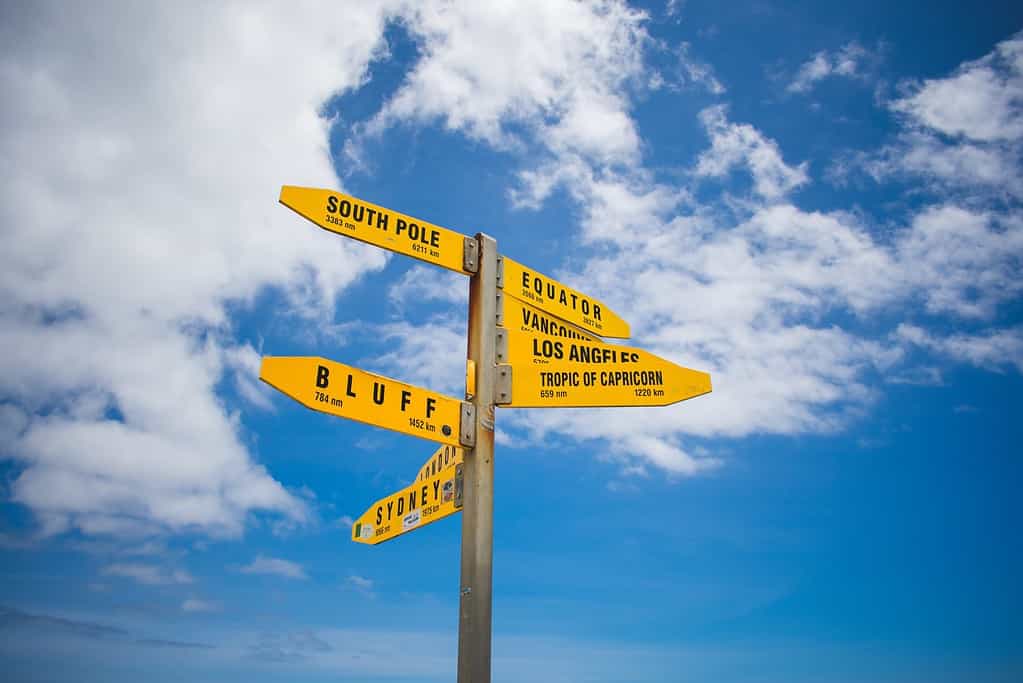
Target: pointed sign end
[702, 383]
[288, 193]
[268, 369]
[284, 373]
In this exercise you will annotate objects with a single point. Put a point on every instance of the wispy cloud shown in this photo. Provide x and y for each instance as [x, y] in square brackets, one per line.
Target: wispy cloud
[289, 647]
[25, 622]
[175, 458]
[756, 280]
[147, 574]
[991, 349]
[982, 100]
[361, 584]
[10, 616]
[961, 134]
[739, 144]
[276, 566]
[846, 62]
[174, 644]
[194, 605]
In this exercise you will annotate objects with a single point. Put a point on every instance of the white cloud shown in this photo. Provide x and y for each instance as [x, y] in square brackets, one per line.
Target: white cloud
[276, 566]
[140, 198]
[771, 299]
[982, 100]
[846, 62]
[170, 214]
[961, 135]
[966, 169]
[428, 283]
[361, 584]
[740, 144]
[13, 421]
[963, 262]
[194, 605]
[431, 354]
[992, 349]
[147, 574]
[755, 305]
[557, 67]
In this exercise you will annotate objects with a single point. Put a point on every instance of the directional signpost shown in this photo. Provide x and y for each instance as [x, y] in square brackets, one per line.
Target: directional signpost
[517, 315]
[533, 342]
[362, 396]
[442, 458]
[414, 506]
[548, 372]
[560, 300]
[374, 224]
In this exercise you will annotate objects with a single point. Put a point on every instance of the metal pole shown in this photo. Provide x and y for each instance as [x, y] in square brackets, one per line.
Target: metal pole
[475, 603]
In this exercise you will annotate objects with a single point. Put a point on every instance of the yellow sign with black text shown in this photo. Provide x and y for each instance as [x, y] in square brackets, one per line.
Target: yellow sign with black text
[442, 458]
[352, 217]
[548, 372]
[344, 391]
[562, 301]
[413, 507]
[519, 316]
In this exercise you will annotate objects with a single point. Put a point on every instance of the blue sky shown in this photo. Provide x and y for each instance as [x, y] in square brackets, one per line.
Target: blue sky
[819, 206]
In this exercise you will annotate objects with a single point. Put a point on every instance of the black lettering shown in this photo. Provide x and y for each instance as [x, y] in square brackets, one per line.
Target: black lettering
[423, 492]
[345, 208]
[431, 405]
[348, 390]
[390, 508]
[596, 311]
[401, 506]
[322, 375]
[378, 397]
[436, 487]
[406, 398]
[380, 514]
[382, 221]
[332, 204]
[401, 225]
[412, 500]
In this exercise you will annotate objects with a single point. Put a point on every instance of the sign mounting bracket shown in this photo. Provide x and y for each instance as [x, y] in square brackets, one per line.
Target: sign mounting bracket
[467, 425]
[470, 254]
[503, 384]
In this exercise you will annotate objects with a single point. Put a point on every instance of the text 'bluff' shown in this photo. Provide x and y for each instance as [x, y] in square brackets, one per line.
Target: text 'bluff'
[379, 391]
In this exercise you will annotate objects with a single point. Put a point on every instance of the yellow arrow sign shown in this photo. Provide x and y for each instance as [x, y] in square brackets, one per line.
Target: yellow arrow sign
[442, 458]
[414, 506]
[548, 372]
[345, 391]
[557, 299]
[352, 217]
[519, 316]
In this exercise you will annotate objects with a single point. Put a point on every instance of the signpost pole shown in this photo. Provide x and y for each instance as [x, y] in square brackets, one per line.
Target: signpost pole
[475, 599]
